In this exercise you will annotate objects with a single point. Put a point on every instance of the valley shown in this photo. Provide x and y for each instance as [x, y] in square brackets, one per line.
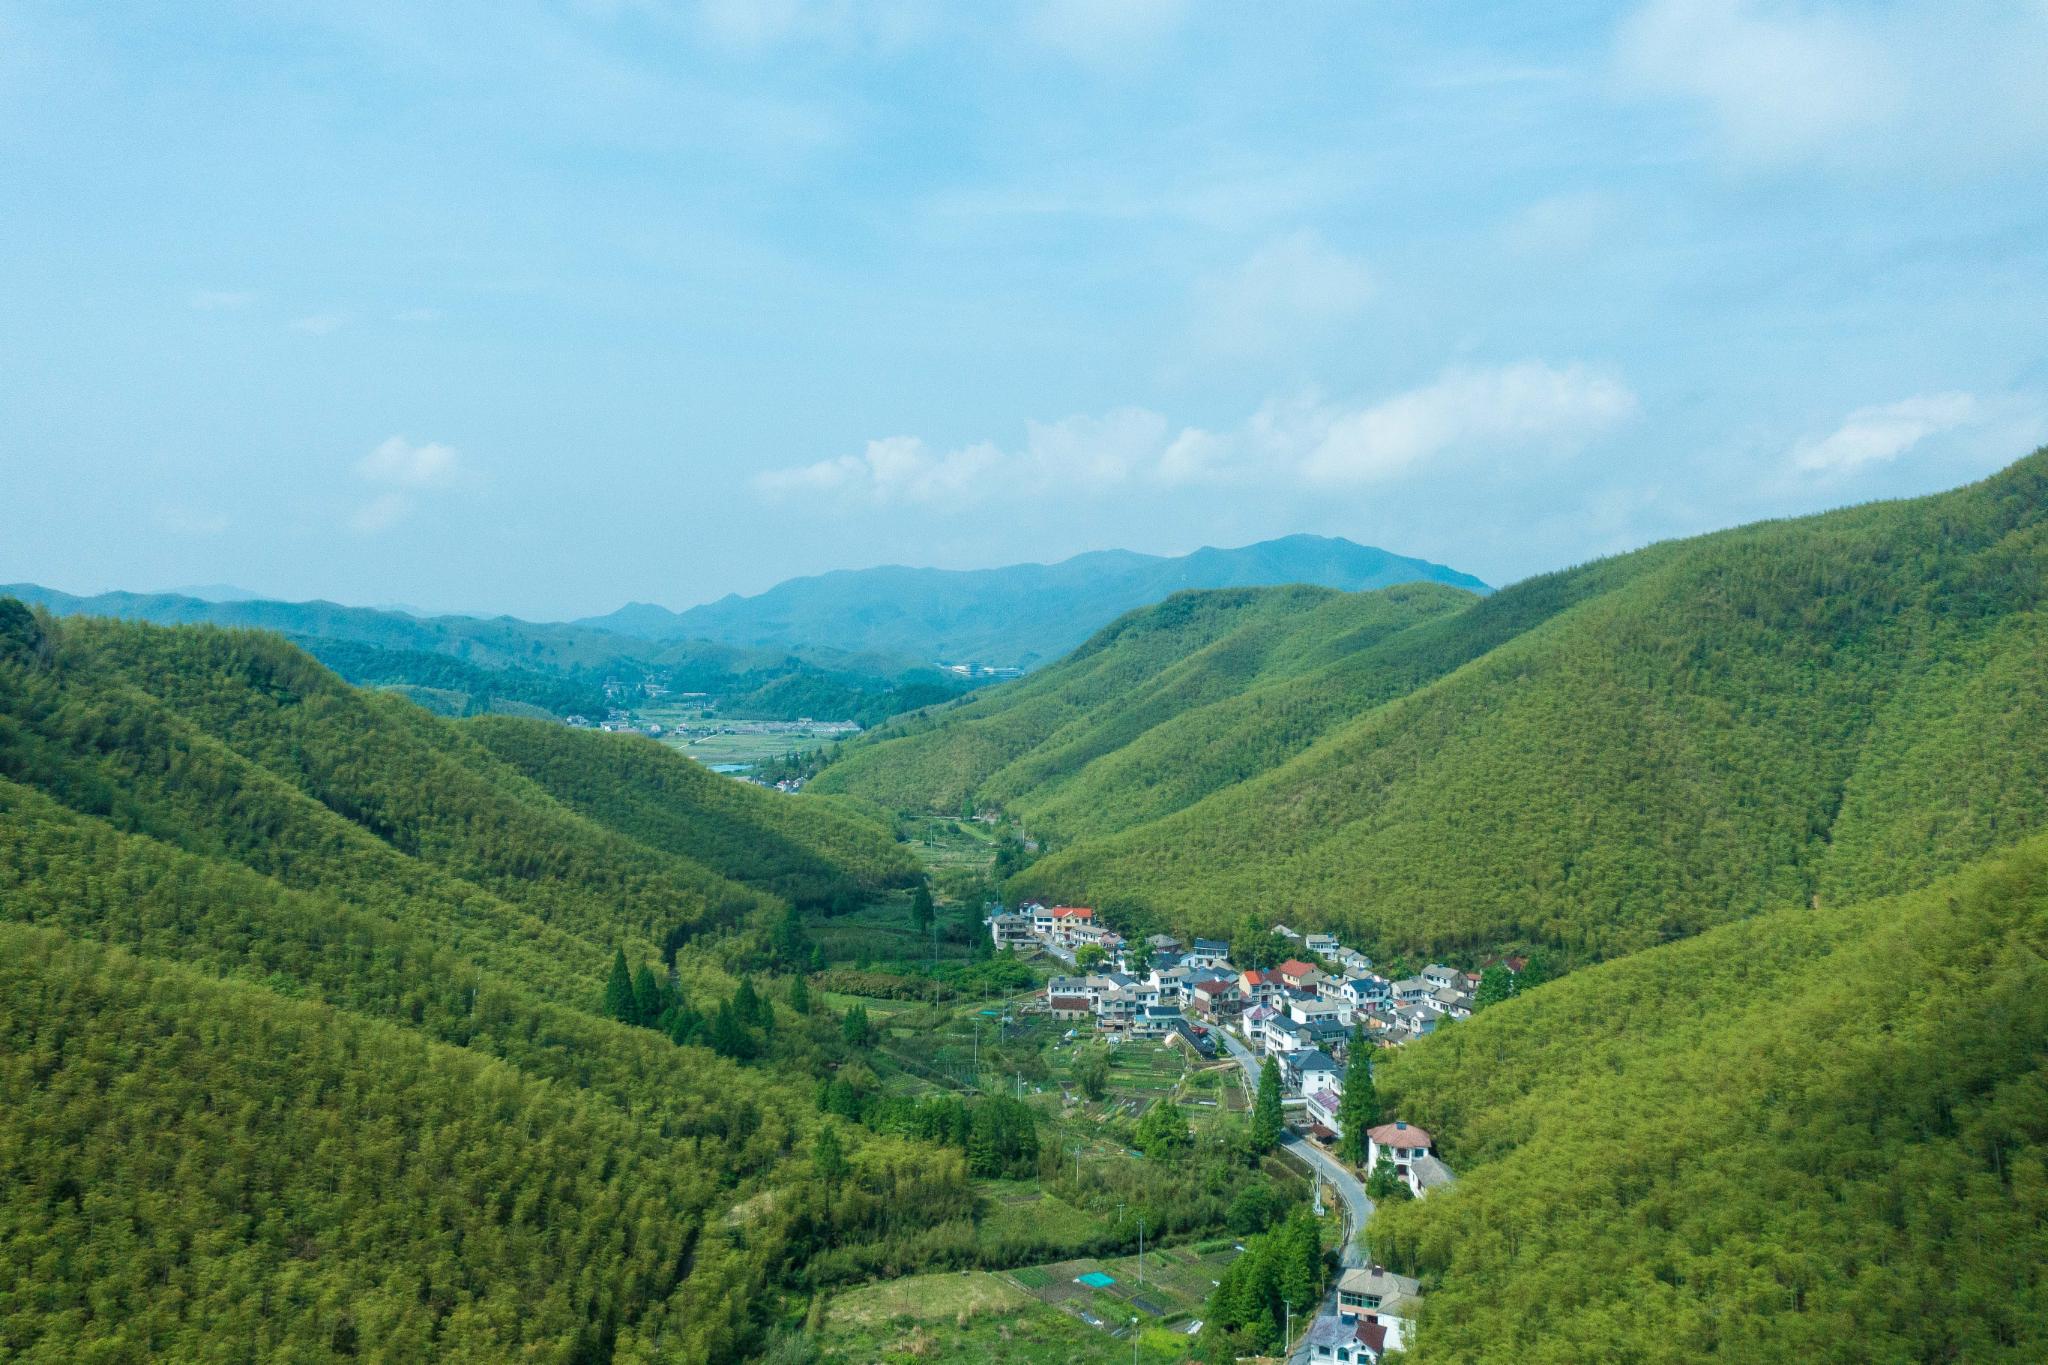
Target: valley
[797, 682]
[1227, 942]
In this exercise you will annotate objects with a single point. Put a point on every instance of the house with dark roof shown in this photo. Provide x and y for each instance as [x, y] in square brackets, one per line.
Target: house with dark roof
[1376, 1297]
[1154, 1021]
[1337, 1340]
[1426, 1173]
[1309, 1069]
[1216, 998]
[1284, 1035]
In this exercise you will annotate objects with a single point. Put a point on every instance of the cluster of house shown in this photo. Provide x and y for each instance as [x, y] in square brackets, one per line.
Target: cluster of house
[1375, 1312]
[1299, 1013]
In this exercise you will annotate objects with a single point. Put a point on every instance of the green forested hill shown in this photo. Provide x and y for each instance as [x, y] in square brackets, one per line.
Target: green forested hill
[1814, 1135]
[1201, 668]
[807, 851]
[1602, 759]
[303, 1036]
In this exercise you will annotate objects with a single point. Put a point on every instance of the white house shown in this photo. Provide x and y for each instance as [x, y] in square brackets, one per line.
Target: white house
[1322, 1109]
[1065, 919]
[1311, 1069]
[1306, 1009]
[1398, 1142]
[1359, 987]
[1338, 1340]
[1013, 932]
[1208, 952]
[1154, 1021]
[1284, 1035]
[1413, 990]
[1255, 1020]
[1321, 944]
[1440, 976]
[1372, 1294]
[1040, 917]
[1427, 1173]
[1457, 1004]
[1072, 986]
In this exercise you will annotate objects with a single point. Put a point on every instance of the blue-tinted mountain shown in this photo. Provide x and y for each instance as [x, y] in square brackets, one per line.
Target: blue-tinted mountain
[1012, 617]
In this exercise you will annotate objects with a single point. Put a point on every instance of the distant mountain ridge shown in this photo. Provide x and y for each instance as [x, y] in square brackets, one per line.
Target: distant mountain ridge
[1016, 616]
[560, 668]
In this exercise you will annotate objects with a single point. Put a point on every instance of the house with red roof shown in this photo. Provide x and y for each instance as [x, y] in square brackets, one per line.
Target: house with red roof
[1066, 919]
[1300, 975]
[1400, 1143]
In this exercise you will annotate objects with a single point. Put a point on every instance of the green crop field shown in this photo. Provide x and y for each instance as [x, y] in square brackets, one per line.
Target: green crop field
[972, 1317]
[744, 748]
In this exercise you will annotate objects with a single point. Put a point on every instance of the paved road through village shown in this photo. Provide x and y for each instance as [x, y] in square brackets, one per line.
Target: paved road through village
[1357, 1208]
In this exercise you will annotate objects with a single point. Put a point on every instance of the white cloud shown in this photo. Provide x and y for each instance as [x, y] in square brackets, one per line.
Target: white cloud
[320, 324]
[1937, 84]
[1778, 85]
[1302, 442]
[1104, 31]
[220, 300]
[400, 463]
[1876, 435]
[1080, 454]
[404, 471]
[1513, 406]
[1291, 284]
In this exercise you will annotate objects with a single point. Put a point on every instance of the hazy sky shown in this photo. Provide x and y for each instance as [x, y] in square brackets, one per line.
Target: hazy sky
[542, 307]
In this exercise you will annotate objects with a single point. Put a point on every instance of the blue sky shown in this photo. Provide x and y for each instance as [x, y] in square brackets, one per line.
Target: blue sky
[542, 307]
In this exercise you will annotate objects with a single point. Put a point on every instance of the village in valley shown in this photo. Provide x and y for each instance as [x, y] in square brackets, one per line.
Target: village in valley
[1309, 1013]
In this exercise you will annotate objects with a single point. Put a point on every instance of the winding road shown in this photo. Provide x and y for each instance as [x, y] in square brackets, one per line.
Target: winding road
[1357, 1207]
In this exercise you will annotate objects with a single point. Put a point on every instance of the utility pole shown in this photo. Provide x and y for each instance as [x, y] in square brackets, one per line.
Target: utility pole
[1141, 1248]
[1287, 1332]
[1134, 1341]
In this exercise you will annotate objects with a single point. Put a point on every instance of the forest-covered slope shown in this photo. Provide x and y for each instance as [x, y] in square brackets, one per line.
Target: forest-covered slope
[1816, 1135]
[304, 1041]
[810, 852]
[1602, 759]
